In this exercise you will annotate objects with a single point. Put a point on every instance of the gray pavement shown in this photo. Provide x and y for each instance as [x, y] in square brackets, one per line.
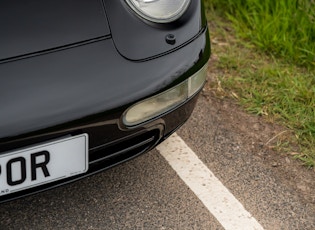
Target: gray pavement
[142, 194]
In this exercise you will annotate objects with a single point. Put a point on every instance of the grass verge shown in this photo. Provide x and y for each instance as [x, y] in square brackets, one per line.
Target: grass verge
[266, 86]
[284, 28]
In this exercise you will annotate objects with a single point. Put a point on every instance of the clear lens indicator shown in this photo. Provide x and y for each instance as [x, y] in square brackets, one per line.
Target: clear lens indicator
[163, 102]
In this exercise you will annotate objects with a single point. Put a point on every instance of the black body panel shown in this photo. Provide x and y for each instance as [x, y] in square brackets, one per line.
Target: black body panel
[137, 39]
[59, 87]
[76, 77]
[123, 146]
[35, 25]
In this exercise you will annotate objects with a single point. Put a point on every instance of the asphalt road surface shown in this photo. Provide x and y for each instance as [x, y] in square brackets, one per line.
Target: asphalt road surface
[147, 192]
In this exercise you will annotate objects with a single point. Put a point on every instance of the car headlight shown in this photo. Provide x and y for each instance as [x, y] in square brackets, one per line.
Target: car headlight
[165, 101]
[161, 11]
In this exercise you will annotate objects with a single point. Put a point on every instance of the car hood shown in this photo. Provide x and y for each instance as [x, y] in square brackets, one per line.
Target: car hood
[29, 27]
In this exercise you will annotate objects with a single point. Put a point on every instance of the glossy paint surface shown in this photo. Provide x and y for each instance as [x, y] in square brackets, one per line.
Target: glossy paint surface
[137, 39]
[35, 25]
[59, 87]
[80, 74]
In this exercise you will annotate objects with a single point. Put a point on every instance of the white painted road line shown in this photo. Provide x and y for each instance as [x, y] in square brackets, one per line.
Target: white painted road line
[219, 201]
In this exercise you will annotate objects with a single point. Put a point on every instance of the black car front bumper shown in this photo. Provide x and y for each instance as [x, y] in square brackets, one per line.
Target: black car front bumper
[85, 89]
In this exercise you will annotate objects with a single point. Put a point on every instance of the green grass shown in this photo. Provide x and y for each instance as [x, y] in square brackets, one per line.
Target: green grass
[265, 81]
[284, 28]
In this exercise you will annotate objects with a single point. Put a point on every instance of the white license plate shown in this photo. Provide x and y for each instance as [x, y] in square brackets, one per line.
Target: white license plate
[45, 163]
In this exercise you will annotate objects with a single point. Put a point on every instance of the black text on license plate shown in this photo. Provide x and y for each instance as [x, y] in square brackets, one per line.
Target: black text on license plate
[42, 164]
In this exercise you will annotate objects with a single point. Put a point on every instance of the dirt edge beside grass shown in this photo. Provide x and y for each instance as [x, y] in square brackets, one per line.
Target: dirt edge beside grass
[265, 86]
[260, 137]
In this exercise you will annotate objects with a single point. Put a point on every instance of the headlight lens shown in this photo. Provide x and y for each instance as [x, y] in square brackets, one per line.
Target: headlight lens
[165, 101]
[161, 11]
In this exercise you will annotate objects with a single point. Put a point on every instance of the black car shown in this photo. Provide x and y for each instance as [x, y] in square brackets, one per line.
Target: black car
[88, 84]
